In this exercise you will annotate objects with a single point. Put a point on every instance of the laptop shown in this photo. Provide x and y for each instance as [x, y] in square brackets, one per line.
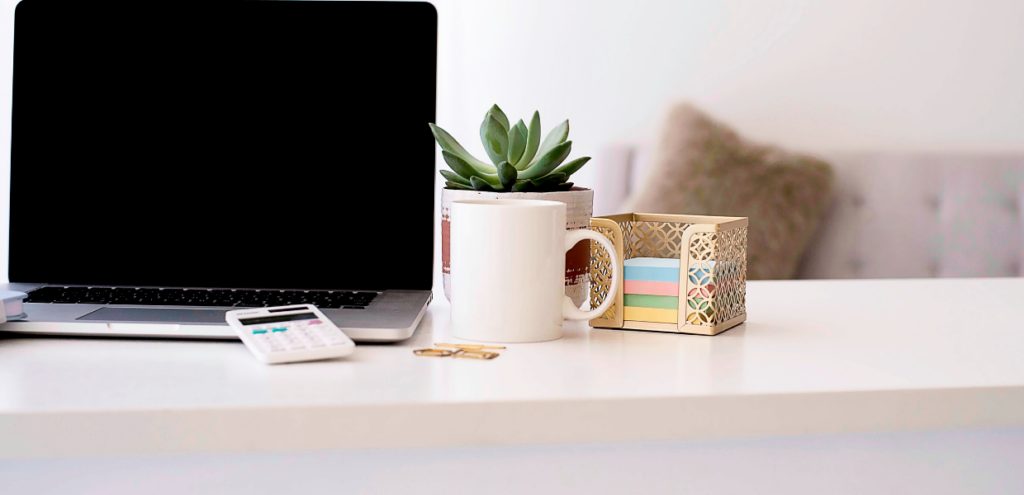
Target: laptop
[174, 159]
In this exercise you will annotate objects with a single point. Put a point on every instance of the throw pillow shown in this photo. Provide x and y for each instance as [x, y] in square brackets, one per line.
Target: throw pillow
[703, 167]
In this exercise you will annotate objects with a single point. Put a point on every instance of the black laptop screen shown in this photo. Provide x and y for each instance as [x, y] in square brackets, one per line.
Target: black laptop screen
[257, 144]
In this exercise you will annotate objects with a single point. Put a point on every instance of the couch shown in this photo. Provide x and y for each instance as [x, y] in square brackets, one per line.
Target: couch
[893, 215]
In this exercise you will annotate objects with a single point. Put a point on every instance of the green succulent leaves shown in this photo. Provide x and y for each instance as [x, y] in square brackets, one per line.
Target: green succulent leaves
[507, 175]
[532, 142]
[450, 176]
[448, 143]
[572, 167]
[548, 162]
[516, 143]
[557, 136]
[462, 168]
[480, 185]
[495, 139]
[498, 115]
[551, 180]
[521, 161]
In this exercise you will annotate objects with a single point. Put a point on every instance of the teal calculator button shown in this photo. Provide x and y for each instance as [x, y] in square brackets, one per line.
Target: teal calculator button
[279, 329]
[258, 331]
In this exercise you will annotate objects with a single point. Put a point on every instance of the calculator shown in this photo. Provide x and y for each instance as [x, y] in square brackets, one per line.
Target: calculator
[288, 334]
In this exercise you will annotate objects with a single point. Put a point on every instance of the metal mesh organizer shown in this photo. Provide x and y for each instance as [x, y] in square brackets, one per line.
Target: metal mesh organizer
[712, 271]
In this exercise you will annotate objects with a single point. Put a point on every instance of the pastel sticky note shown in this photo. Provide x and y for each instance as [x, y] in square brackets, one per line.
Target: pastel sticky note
[652, 288]
[651, 274]
[651, 269]
[648, 301]
[654, 315]
[653, 262]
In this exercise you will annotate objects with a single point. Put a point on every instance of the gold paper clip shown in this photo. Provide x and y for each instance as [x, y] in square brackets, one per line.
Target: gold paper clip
[472, 354]
[472, 347]
[433, 352]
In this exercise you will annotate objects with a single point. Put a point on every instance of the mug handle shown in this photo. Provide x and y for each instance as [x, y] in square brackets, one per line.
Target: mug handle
[569, 309]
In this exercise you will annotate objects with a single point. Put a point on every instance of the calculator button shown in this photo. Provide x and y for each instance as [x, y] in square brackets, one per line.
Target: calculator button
[315, 322]
[280, 329]
[256, 332]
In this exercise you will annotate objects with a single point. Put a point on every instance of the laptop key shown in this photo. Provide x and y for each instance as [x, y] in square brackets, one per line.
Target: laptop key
[240, 298]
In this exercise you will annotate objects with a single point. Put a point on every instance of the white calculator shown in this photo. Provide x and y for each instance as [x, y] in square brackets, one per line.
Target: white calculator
[288, 334]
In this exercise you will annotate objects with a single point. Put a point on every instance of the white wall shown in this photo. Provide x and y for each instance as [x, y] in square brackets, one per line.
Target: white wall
[812, 75]
[823, 75]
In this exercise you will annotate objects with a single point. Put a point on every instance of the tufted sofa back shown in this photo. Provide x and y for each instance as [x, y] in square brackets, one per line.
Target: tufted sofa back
[894, 215]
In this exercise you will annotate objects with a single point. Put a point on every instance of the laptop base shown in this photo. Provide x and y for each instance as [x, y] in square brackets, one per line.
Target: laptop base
[391, 317]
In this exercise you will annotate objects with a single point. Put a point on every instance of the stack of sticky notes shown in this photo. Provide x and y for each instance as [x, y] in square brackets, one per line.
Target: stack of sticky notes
[650, 290]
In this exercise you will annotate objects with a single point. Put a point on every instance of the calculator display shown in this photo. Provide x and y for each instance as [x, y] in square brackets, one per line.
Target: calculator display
[276, 319]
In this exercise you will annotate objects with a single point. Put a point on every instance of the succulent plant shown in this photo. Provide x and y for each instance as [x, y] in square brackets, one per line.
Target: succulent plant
[521, 162]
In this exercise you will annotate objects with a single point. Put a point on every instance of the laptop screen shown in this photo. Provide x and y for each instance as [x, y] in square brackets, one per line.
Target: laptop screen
[236, 144]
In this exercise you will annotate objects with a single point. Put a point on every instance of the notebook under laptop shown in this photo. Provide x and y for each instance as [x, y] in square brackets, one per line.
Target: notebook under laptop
[173, 159]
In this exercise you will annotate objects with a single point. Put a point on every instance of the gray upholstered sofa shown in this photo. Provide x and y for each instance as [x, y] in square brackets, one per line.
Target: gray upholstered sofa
[894, 215]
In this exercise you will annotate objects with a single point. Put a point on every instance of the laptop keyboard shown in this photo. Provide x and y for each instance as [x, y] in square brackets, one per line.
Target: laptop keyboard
[226, 298]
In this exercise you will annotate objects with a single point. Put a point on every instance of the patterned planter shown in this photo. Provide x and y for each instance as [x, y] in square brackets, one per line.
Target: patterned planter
[579, 207]
[712, 271]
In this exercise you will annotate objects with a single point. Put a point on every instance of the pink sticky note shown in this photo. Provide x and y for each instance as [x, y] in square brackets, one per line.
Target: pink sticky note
[650, 288]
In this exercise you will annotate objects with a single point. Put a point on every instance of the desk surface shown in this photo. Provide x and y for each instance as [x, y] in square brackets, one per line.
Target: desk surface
[813, 357]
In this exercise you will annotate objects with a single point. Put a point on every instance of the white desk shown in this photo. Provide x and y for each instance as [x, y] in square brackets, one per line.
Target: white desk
[815, 357]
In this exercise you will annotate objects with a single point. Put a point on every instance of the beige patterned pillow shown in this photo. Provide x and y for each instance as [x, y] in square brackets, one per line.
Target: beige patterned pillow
[704, 168]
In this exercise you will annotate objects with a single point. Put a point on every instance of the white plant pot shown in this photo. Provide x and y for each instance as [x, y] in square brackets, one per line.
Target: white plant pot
[579, 207]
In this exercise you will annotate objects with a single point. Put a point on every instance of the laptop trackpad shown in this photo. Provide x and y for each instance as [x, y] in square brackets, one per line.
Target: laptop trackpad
[158, 315]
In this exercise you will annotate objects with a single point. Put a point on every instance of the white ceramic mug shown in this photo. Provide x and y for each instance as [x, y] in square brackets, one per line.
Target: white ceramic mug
[508, 270]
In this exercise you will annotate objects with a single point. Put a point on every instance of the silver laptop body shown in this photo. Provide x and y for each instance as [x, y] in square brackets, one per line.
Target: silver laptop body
[173, 160]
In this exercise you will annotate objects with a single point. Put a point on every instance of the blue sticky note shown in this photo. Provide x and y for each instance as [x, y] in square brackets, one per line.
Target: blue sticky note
[652, 269]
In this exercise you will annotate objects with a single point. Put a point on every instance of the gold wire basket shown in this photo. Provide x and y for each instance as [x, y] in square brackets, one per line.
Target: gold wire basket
[712, 269]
